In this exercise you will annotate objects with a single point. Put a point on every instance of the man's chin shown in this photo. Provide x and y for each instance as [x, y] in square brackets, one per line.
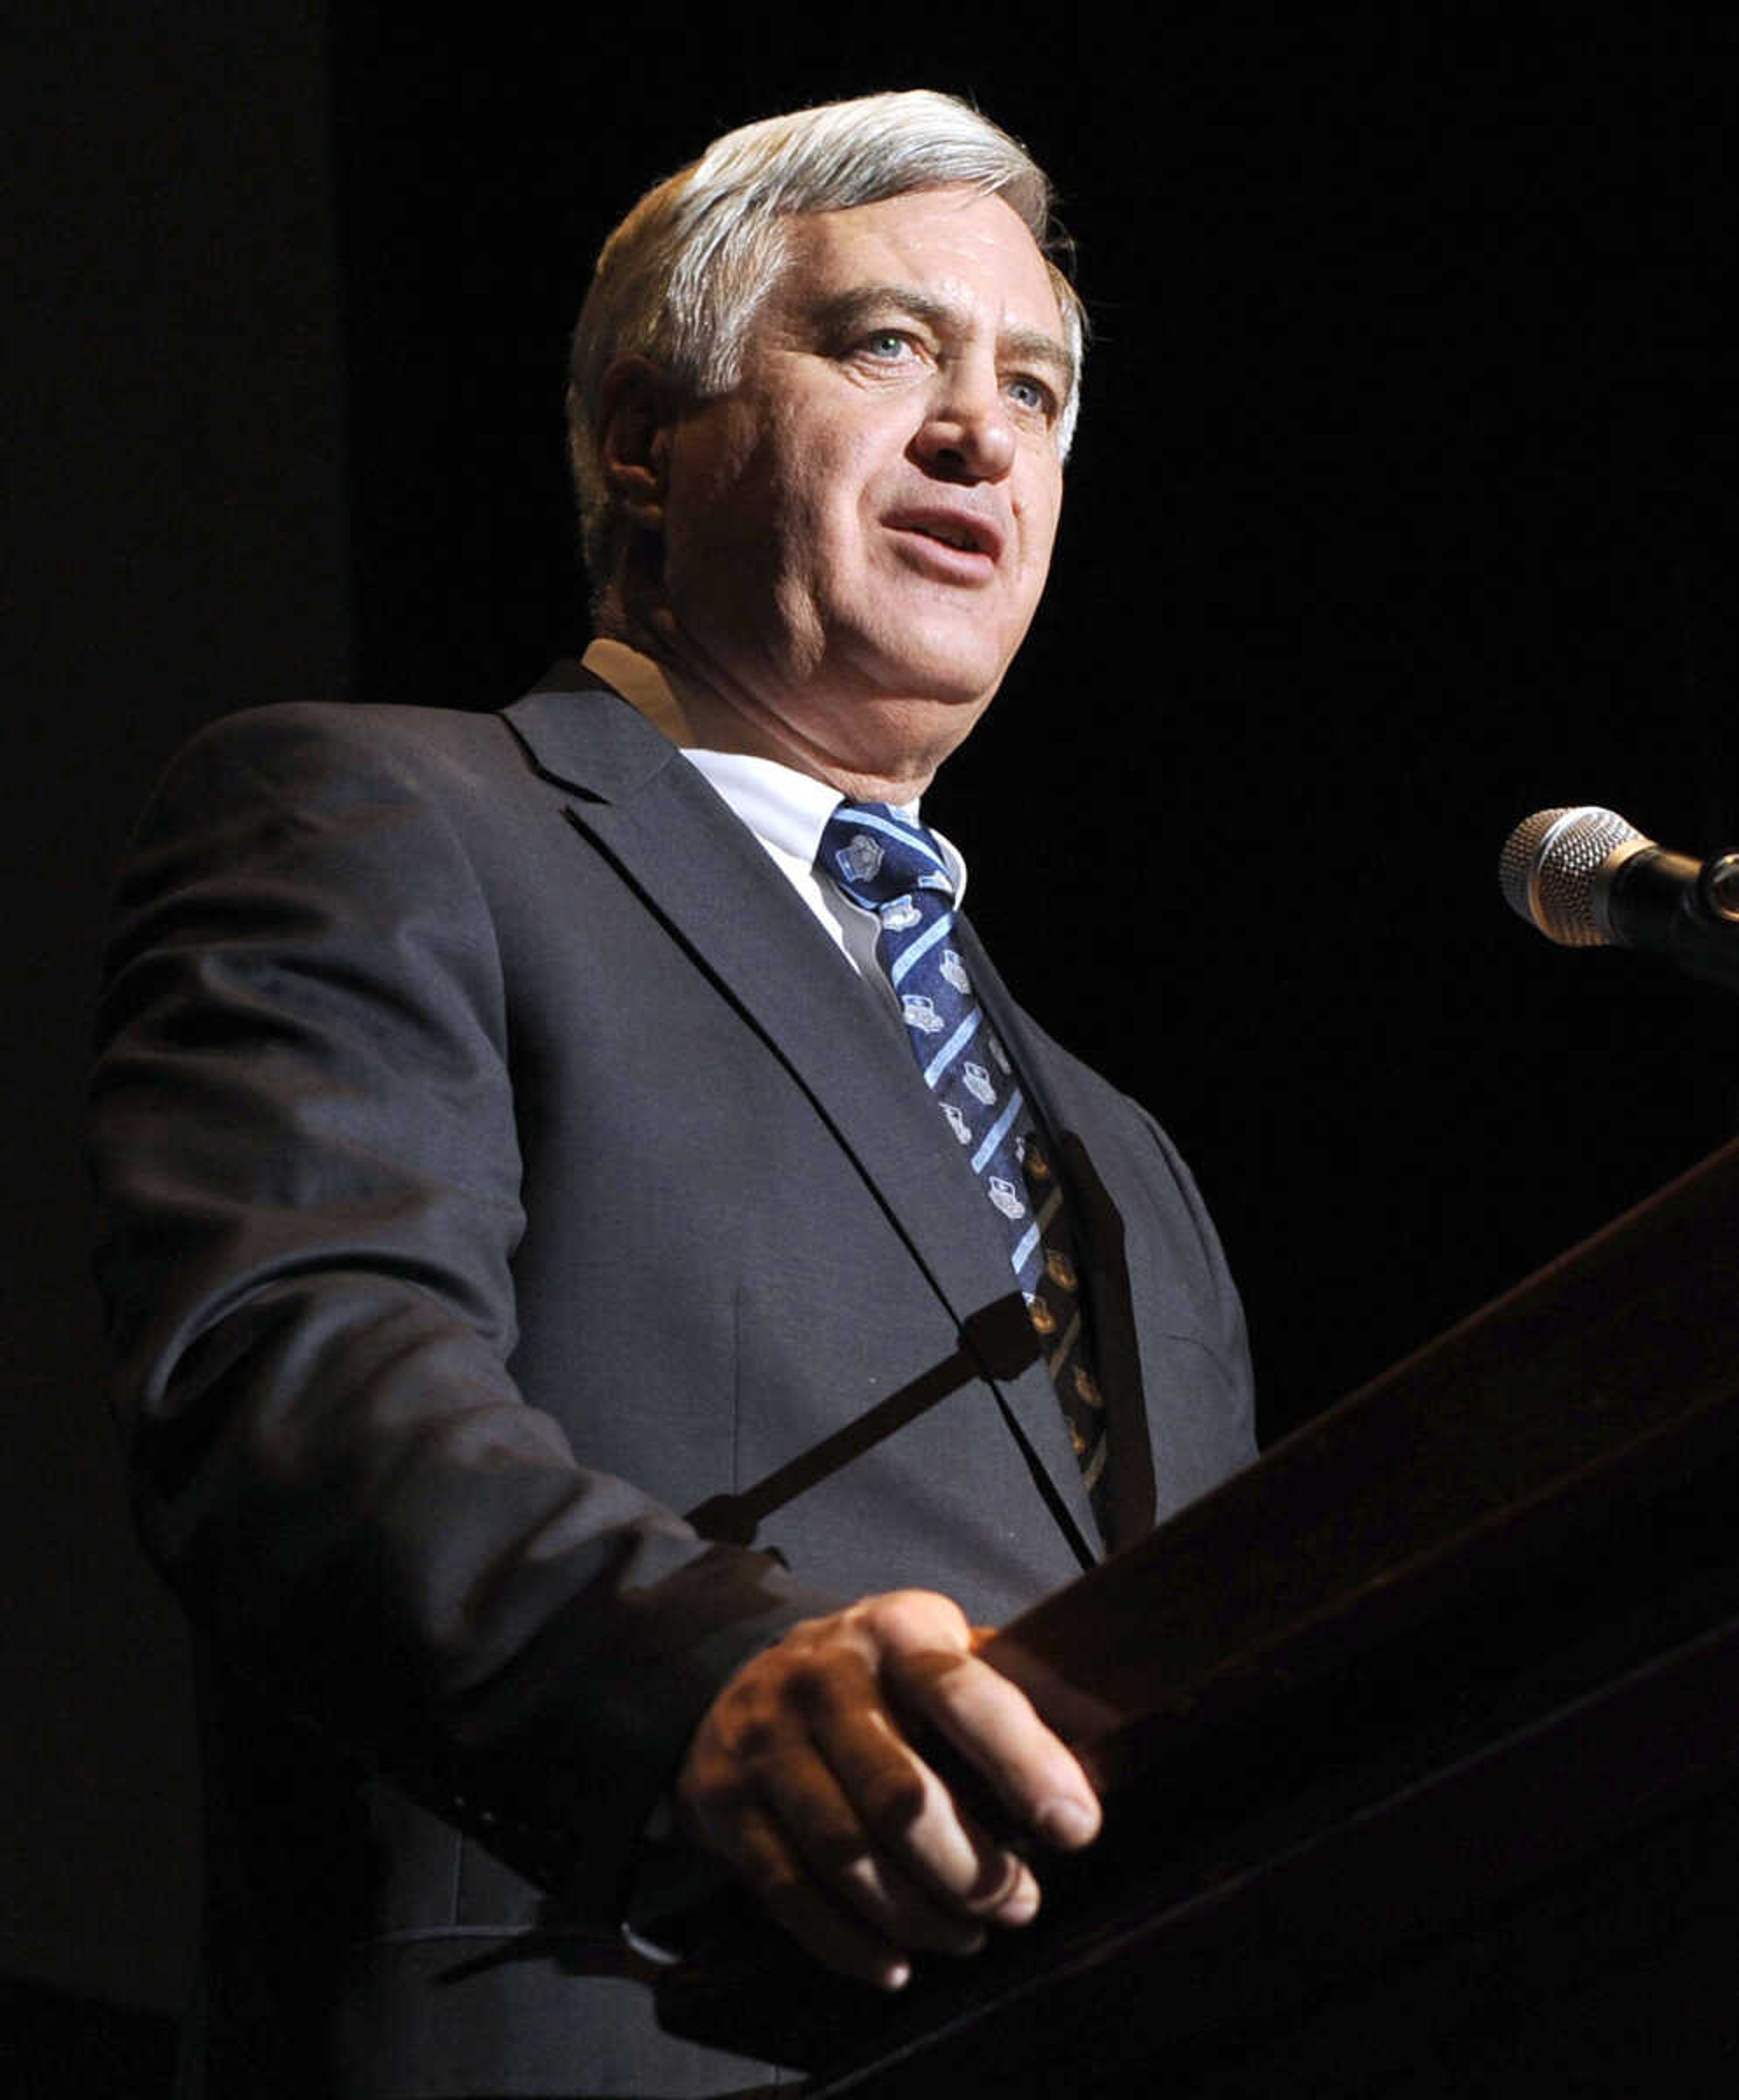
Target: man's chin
[908, 734]
[943, 680]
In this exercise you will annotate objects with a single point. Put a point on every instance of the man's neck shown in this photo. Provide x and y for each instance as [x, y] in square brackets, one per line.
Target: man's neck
[695, 717]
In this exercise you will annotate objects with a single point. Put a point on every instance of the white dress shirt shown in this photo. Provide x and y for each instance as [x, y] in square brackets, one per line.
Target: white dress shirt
[786, 810]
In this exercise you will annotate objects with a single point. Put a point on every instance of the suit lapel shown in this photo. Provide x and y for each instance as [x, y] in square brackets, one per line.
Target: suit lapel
[1098, 1231]
[722, 896]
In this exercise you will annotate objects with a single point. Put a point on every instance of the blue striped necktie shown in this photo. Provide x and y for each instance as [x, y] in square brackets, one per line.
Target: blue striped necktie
[893, 867]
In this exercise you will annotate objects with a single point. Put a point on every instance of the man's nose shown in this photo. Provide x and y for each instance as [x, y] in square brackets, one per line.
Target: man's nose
[967, 434]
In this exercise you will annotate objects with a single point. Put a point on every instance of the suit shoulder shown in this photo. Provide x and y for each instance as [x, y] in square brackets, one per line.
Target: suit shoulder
[328, 755]
[352, 776]
[384, 733]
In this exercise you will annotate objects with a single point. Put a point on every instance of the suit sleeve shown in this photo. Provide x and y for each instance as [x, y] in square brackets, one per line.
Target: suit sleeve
[304, 1146]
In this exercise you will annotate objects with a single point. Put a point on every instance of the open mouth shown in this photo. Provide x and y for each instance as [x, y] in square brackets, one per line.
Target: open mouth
[952, 536]
[963, 535]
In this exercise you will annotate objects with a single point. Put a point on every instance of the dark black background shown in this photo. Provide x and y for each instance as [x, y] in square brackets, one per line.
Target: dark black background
[1401, 505]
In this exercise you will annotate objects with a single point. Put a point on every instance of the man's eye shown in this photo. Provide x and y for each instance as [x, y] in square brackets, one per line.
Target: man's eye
[887, 343]
[1032, 394]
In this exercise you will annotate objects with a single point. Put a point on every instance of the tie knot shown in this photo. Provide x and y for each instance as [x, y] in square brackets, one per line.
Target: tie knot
[876, 855]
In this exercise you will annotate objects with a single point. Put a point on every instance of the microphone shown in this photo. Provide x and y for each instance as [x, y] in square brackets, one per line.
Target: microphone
[1586, 879]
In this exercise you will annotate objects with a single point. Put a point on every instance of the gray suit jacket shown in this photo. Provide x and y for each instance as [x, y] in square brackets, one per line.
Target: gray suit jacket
[495, 1159]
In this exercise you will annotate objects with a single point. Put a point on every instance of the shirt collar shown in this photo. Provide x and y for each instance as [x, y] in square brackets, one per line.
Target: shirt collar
[786, 810]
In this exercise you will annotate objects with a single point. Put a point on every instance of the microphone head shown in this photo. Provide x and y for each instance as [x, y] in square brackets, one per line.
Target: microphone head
[1550, 869]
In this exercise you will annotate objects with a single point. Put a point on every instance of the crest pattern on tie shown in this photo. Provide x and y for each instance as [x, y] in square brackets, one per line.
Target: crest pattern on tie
[893, 867]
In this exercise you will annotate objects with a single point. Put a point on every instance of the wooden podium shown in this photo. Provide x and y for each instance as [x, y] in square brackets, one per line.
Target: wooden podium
[1420, 1744]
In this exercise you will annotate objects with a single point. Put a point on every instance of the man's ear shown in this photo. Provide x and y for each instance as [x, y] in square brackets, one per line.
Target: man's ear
[634, 414]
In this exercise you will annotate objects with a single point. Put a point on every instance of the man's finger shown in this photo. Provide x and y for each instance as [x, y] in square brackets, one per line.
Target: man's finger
[913, 1817]
[754, 1847]
[813, 1812]
[992, 1723]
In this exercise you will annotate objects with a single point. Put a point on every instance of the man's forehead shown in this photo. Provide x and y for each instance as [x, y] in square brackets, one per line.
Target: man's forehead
[954, 245]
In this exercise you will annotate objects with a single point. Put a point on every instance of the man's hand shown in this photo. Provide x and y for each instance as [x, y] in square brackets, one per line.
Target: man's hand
[800, 1777]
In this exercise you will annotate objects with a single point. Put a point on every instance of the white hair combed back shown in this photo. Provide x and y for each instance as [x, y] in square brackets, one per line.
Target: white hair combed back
[680, 279]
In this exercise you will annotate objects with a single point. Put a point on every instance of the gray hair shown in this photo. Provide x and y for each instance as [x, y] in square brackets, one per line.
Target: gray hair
[680, 280]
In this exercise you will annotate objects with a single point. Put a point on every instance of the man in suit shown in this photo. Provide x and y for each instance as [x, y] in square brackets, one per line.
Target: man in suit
[509, 1136]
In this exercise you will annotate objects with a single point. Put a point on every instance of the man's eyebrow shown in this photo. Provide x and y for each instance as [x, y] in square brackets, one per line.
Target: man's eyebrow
[840, 313]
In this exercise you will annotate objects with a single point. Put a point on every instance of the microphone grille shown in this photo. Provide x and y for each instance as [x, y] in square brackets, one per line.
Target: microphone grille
[1548, 865]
